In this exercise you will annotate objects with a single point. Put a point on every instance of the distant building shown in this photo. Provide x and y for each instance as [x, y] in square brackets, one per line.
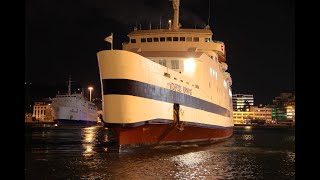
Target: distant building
[42, 112]
[262, 113]
[240, 101]
[290, 111]
[241, 117]
[283, 107]
[252, 113]
[28, 118]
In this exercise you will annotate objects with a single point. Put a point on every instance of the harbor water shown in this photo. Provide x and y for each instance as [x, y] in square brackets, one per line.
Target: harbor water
[80, 152]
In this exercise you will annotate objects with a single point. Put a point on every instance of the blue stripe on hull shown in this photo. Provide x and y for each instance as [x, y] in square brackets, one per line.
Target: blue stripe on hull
[150, 91]
[68, 121]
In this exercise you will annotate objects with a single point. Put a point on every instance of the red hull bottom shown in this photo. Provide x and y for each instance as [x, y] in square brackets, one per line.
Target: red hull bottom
[153, 134]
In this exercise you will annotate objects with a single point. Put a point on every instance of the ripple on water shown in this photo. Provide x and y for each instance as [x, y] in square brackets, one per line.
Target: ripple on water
[84, 153]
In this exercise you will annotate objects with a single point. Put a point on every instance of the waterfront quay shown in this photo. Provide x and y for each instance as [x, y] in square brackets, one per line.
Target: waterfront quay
[289, 125]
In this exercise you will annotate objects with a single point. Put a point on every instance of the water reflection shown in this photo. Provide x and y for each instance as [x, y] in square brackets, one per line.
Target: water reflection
[89, 153]
[191, 165]
[89, 134]
[191, 159]
[247, 137]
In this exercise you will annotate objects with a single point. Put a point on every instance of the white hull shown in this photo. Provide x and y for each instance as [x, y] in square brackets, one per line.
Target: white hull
[72, 114]
[122, 108]
[74, 108]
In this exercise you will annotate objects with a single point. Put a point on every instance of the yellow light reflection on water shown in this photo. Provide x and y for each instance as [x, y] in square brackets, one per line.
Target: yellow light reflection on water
[247, 137]
[89, 149]
[89, 135]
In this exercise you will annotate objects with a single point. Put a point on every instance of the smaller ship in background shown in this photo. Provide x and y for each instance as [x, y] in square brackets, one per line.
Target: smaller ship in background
[73, 108]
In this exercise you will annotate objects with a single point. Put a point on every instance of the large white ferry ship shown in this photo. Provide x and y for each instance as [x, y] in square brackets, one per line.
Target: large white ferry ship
[167, 86]
[73, 108]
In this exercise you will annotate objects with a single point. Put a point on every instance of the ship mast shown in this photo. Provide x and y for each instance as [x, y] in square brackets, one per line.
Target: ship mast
[176, 4]
[69, 85]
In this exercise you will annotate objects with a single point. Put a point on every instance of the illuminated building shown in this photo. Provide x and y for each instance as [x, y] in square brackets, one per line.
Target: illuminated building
[283, 107]
[262, 113]
[42, 112]
[290, 112]
[240, 117]
[242, 100]
[254, 112]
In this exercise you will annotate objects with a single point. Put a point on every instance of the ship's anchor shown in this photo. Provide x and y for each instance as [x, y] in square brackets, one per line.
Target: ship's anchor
[176, 117]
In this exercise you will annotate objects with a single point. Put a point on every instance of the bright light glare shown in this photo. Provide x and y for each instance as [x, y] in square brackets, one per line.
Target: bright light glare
[230, 93]
[189, 65]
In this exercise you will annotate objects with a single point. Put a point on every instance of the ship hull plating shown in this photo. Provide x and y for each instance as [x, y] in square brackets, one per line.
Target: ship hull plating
[166, 133]
[71, 115]
[143, 105]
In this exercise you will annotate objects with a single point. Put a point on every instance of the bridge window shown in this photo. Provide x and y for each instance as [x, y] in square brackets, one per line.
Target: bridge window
[196, 39]
[189, 38]
[162, 39]
[149, 39]
[143, 40]
[163, 62]
[169, 38]
[155, 39]
[133, 40]
[206, 39]
[175, 38]
[175, 64]
[182, 39]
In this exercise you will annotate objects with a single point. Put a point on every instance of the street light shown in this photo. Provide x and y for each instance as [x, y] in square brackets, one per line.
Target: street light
[90, 89]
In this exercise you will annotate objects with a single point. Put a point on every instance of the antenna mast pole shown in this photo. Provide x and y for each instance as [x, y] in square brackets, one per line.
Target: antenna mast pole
[69, 85]
[176, 4]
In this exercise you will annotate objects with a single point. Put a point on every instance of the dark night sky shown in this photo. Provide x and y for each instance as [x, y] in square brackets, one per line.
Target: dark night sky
[63, 37]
